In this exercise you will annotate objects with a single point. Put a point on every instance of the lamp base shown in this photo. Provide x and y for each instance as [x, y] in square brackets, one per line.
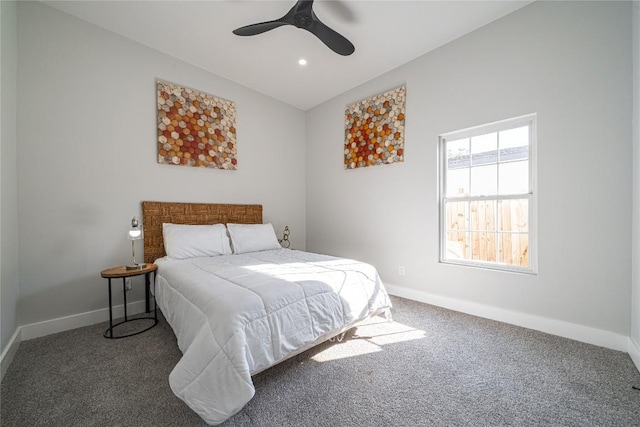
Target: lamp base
[136, 266]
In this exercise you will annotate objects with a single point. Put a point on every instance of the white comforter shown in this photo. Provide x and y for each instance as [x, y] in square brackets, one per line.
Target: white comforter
[235, 315]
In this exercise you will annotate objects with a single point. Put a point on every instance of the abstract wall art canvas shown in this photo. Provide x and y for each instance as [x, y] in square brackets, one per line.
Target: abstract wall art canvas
[195, 128]
[374, 130]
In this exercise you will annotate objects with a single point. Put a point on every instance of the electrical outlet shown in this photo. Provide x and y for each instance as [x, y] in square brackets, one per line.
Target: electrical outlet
[401, 270]
[127, 283]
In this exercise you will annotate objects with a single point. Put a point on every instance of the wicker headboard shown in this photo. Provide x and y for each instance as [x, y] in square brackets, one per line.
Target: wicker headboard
[154, 214]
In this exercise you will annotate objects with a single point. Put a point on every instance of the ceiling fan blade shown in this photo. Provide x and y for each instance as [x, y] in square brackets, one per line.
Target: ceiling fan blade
[253, 29]
[334, 41]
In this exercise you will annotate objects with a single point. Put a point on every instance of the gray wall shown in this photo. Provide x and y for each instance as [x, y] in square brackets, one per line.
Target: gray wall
[8, 173]
[87, 129]
[568, 62]
[635, 300]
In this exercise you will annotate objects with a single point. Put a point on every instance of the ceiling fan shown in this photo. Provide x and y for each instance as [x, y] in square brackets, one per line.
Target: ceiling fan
[301, 15]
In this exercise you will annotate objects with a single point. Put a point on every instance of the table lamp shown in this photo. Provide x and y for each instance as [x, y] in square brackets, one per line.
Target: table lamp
[134, 233]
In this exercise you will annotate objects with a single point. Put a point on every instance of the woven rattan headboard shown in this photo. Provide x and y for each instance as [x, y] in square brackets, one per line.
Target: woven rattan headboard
[154, 214]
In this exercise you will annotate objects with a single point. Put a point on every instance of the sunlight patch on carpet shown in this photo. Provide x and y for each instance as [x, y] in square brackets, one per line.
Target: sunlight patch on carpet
[370, 338]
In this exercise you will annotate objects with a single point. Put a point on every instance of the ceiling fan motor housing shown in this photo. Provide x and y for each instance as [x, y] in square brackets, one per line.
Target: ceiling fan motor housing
[302, 20]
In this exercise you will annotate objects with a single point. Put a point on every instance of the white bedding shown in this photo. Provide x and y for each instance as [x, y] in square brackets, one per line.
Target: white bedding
[234, 315]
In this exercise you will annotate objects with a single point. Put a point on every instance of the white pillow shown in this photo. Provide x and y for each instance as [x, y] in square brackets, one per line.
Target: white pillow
[252, 237]
[182, 241]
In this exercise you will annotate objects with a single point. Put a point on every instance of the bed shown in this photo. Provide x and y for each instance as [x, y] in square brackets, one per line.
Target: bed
[237, 314]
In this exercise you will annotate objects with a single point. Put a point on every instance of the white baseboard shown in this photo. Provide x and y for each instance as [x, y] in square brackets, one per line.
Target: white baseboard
[61, 324]
[572, 331]
[634, 352]
[10, 351]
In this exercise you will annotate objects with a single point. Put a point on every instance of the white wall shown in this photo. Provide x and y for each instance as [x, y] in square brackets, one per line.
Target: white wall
[87, 157]
[568, 62]
[8, 176]
[635, 300]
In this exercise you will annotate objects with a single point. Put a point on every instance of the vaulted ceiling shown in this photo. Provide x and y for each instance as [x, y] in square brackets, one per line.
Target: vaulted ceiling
[386, 34]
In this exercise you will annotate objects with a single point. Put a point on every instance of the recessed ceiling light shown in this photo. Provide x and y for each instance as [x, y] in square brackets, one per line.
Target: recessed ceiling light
[302, 62]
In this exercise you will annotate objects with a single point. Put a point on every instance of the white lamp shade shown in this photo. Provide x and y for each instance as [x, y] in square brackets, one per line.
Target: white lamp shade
[135, 234]
[135, 230]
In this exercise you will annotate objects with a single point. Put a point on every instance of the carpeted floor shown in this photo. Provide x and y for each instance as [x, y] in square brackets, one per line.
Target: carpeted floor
[430, 367]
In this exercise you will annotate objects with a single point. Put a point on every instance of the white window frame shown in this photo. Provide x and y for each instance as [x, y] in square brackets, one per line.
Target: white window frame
[531, 195]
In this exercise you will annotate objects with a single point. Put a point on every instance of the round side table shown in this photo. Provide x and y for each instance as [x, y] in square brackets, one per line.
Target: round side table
[121, 272]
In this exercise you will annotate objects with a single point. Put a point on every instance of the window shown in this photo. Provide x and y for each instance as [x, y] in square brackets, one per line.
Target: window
[487, 195]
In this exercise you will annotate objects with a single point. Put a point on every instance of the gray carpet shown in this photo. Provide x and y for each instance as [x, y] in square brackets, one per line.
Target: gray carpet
[430, 367]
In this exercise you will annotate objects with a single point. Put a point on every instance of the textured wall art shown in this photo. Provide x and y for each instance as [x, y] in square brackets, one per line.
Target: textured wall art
[195, 128]
[374, 130]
